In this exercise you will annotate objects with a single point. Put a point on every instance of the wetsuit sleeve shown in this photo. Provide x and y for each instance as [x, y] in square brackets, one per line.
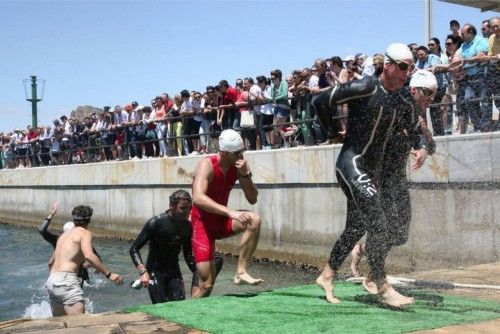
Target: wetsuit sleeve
[187, 251]
[49, 237]
[141, 240]
[325, 104]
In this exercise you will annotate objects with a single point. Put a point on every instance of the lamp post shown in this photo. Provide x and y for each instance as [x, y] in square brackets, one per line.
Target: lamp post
[35, 98]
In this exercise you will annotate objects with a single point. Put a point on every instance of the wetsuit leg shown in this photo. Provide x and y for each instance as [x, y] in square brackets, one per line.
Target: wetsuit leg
[175, 288]
[354, 230]
[396, 203]
[365, 196]
[157, 291]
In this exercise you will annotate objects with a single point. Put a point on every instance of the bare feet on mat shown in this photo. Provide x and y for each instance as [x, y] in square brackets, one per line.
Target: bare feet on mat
[245, 278]
[370, 286]
[390, 297]
[325, 281]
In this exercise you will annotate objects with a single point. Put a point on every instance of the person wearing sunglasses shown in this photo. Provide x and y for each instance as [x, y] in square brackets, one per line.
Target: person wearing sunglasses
[376, 108]
[166, 234]
[212, 219]
[428, 60]
[414, 140]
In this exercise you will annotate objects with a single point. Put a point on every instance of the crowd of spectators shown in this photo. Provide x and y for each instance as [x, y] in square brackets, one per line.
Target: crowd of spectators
[270, 111]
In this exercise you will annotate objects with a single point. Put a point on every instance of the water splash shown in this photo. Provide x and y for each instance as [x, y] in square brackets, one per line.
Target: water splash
[38, 310]
[42, 310]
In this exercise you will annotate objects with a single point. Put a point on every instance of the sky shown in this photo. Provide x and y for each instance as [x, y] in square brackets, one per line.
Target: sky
[113, 52]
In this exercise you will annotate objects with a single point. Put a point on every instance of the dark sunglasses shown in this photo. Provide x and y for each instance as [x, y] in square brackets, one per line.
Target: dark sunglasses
[238, 153]
[400, 64]
[426, 91]
[431, 45]
[448, 43]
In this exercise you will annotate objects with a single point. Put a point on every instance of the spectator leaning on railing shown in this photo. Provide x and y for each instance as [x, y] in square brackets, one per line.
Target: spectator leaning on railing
[472, 52]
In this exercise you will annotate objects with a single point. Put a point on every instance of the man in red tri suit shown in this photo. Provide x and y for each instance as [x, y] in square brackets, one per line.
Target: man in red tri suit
[214, 179]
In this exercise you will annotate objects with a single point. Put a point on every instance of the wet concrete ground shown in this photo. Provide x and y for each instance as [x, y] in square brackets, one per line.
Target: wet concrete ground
[114, 322]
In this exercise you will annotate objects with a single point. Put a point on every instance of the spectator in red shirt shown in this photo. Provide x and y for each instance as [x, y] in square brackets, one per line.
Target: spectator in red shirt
[32, 137]
[228, 108]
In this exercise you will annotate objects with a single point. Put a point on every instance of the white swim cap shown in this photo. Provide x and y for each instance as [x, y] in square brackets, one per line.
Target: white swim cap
[398, 52]
[424, 79]
[68, 226]
[230, 141]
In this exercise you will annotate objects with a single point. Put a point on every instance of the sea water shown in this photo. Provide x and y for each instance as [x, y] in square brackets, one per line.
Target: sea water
[23, 271]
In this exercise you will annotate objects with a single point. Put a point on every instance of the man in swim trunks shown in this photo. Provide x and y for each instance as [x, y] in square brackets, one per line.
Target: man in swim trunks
[214, 179]
[52, 238]
[72, 249]
[376, 109]
[394, 188]
[166, 233]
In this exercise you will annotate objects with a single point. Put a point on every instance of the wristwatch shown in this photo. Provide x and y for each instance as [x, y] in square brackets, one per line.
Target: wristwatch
[247, 175]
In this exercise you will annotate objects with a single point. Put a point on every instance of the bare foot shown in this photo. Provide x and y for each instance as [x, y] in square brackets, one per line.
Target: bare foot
[241, 278]
[389, 296]
[370, 286]
[325, 281]
[356, 254]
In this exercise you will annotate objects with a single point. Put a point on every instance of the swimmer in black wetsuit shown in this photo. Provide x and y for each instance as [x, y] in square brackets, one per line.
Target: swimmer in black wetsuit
[376, 108]
[51, 238]
[166, 234]
[394, 188]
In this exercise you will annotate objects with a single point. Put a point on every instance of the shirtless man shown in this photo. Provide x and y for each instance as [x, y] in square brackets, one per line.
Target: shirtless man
[376, 108]
[72, 249]
[214, 179]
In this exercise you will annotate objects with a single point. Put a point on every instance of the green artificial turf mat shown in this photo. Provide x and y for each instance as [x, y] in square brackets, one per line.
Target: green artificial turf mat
[303, 309]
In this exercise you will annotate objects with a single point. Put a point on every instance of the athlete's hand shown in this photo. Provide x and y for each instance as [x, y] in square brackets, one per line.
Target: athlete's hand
[116, 278]
[144, 279]
[54, 208]
[243, 217]
[420, 157]
[242, 166]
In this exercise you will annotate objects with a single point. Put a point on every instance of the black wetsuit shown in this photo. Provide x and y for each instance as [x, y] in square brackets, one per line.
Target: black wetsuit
[166, 237]
[395, 195]
[374, 114]
[52, 239]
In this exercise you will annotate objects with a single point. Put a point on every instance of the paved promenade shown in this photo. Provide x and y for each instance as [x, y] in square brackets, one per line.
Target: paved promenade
[114, 322]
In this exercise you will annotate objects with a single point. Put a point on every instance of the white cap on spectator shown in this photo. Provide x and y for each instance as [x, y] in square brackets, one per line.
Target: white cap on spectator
[68, 226]
[424, 79]
[139, 107]
[398, 52]
[349, 58]
[230, 141]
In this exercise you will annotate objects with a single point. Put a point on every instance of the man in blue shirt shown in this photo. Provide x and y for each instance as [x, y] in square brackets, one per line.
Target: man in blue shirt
[473, 86]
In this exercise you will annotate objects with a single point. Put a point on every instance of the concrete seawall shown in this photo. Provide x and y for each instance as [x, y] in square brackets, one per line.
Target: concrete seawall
[456, 216]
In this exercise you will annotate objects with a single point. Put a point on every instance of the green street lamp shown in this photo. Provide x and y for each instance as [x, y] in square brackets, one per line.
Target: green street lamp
[35, 98]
